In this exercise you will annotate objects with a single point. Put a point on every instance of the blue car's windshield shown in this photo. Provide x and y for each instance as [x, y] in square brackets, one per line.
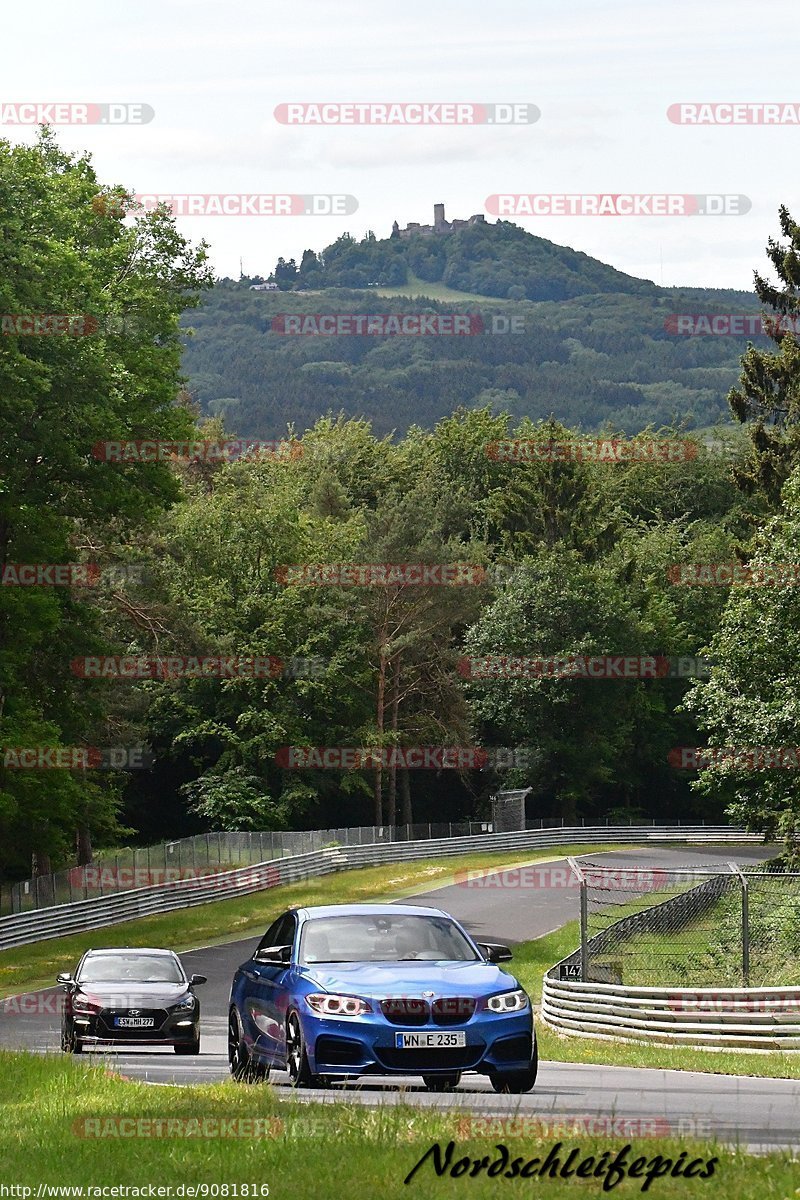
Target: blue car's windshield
[379, 938]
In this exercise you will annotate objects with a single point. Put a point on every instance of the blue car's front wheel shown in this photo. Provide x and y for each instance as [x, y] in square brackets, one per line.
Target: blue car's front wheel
[517, 1082]
[241, 1063]
[297, 1064]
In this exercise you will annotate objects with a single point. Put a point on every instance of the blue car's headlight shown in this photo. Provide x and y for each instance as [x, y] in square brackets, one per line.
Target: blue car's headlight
[508, 1002]
[185, 1004]
[325, 1004]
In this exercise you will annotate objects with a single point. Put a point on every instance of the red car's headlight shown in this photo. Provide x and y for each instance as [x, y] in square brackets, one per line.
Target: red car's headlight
[327, 1005]
[85, 1004]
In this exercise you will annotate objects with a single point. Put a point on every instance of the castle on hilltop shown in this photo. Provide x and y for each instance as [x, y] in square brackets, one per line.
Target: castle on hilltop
[440, 225]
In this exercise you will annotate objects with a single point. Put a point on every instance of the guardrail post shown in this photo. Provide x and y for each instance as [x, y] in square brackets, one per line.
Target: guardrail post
[745, 889]
[573, 862]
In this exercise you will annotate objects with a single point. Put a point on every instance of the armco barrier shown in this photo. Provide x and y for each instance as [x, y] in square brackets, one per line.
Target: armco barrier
[706, 1018]
[39, 925]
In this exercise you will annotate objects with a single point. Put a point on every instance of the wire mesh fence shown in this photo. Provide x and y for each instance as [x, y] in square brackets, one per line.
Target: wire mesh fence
[715, 926]
[204, 854]
[113, 871]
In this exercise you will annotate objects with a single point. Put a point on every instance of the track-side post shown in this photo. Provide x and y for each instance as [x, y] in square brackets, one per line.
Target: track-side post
[745, 888]
[573, 862]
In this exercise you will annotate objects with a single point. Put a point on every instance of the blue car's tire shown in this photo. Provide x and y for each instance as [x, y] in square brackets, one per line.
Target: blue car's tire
[517, 1082]
[297, 1064]
[240, 1061]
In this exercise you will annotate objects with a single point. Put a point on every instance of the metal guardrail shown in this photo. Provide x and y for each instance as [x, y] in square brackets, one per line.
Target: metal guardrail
[42, 924]
[706, 1018]
[128, 867]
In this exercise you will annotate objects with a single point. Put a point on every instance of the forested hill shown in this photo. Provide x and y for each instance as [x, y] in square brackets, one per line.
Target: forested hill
[498, 259]
[603, 348]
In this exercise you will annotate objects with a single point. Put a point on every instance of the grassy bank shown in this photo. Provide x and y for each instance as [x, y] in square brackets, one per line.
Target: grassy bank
[708, 952]
[66, 1123]
[532, 959]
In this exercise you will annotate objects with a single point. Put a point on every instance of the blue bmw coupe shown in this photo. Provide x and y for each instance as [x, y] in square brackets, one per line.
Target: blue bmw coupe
[340, 991]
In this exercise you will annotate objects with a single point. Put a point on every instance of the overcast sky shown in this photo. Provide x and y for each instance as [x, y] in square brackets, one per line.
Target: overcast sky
[602, 72]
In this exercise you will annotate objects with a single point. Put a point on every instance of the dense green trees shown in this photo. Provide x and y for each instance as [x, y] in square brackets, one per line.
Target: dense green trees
[65, 249]
[594, 359]
[566, 558]
[749, 710]
[578, 557]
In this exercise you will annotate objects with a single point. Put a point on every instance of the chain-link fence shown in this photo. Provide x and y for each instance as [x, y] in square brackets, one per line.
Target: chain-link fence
[114, 871]
[711, 926]
[205, 854]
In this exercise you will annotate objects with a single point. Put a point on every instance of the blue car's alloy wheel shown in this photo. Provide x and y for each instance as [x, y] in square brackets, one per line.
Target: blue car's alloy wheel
[239, 1058]
[297, 1065]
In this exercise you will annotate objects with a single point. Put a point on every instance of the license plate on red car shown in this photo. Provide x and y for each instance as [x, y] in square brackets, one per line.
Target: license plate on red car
[428, 1041]
[134, 1022]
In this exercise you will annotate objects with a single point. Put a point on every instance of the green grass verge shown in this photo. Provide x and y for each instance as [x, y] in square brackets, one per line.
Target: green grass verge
[304, 1151]
[708, 951]
[27, 968]
[532, 959]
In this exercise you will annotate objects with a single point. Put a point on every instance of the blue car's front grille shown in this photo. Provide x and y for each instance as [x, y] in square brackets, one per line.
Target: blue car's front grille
[448, 1010]
[406, 1011]
[452, 1010]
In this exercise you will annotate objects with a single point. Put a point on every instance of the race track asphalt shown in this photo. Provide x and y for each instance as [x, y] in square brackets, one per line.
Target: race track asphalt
[754, 1112]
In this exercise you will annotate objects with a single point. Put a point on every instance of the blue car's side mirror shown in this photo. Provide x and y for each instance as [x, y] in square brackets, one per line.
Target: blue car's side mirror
[278, 955]
[494, 952]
